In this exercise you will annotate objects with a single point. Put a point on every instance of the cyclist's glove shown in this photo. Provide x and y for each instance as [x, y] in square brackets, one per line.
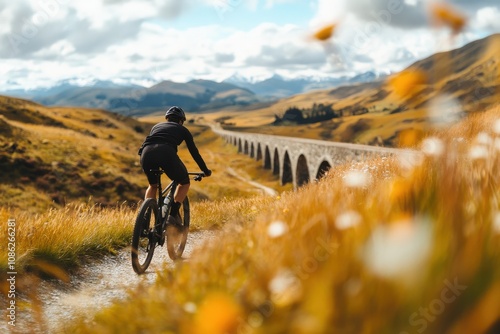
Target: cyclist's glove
[207, 172]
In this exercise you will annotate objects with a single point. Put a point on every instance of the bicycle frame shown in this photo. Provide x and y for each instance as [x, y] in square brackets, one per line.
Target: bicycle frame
[168, 191]
[148, 234]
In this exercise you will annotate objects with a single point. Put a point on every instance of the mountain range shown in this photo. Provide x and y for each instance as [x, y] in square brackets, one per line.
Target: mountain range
[468, 73]
[279, 87]
[195, 95]
[429, 94]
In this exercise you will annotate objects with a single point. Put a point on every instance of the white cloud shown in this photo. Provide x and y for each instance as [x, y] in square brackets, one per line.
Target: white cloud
[488, 18]
[328, 12]
[116, 39]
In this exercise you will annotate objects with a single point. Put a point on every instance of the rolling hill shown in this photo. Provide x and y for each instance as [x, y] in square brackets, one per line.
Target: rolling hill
[456, 82]
[137, 100]
[196, 95]
[52, 156]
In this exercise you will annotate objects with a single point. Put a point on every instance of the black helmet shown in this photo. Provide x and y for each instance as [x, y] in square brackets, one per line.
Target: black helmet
[175, 113]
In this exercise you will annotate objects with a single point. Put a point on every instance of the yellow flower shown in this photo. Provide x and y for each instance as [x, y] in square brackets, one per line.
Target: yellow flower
[444, 14]
[406, 84]
[410, 137]
[218, 314]
[325, 33]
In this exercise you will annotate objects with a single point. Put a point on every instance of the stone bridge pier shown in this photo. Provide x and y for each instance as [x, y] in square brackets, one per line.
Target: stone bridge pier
[299, 160]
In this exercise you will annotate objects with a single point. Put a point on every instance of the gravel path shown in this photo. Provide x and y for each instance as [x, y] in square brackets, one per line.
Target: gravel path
[266, 190]
[96, 286]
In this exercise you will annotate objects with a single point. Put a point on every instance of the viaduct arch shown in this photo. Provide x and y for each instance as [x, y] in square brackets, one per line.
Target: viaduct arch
[299, 160]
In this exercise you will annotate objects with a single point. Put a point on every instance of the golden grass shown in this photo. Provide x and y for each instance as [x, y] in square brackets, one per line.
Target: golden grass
[91, 149]
[218, 213]
[371, 248]
[62, 236]
[381, 247]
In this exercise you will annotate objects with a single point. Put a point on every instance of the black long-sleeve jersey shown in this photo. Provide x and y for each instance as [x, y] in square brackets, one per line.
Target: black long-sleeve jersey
[174, 134]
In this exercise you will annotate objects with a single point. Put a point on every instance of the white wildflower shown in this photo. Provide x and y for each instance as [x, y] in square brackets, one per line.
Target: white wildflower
[478, 152]
[347, 220]
[484, 139]
[496, 222]
[433, 146]
[496, 126]
[285, 287]
[356, 179]
[444, 109]
[277, 229]
[190, 307]
[497, 144]
[398, 249]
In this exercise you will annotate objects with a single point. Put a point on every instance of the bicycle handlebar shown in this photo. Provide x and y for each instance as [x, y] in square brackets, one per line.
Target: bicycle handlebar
[198, 176]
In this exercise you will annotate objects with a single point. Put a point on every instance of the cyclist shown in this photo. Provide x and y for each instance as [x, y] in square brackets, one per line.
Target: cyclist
[159, 149]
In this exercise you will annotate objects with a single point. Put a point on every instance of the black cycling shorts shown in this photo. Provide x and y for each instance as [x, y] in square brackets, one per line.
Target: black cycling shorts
[165, 156]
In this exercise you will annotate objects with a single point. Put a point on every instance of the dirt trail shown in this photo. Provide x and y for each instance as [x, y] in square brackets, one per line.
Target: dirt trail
[266, 190]
[97, 285]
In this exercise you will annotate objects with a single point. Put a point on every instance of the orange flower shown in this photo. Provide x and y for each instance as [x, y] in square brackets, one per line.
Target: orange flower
[218, 314]
[405, 84]
[444, 14]
[325, 33]
[399, 190]
[410, 137]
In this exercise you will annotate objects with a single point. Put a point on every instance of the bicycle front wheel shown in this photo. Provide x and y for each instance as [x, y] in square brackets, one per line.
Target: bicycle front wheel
[177, 235]
[143, 239]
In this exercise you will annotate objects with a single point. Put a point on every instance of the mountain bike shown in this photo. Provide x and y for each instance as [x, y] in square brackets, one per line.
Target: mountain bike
[151, 228]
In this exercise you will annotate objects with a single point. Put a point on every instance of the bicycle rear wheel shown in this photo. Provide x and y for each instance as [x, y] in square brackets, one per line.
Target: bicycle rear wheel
[177, 235]
[143, 239]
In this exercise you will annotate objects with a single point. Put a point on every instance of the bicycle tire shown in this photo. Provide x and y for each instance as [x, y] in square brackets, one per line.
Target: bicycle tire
[143, 239]
[177, 236]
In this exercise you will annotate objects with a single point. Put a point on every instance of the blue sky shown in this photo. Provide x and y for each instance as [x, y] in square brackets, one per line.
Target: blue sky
[240, 16]
[43, 42]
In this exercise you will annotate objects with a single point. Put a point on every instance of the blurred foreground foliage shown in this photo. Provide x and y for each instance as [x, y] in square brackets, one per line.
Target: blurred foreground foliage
[407, 244]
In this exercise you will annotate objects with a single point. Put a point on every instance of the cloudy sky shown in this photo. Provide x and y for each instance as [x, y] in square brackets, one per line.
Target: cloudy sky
[147, 41]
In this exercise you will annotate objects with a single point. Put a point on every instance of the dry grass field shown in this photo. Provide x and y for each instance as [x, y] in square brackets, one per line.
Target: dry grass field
[382, 247]
[71, 179]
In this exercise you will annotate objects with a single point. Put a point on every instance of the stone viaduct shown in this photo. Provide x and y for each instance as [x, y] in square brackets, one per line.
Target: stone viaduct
[299, 160]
